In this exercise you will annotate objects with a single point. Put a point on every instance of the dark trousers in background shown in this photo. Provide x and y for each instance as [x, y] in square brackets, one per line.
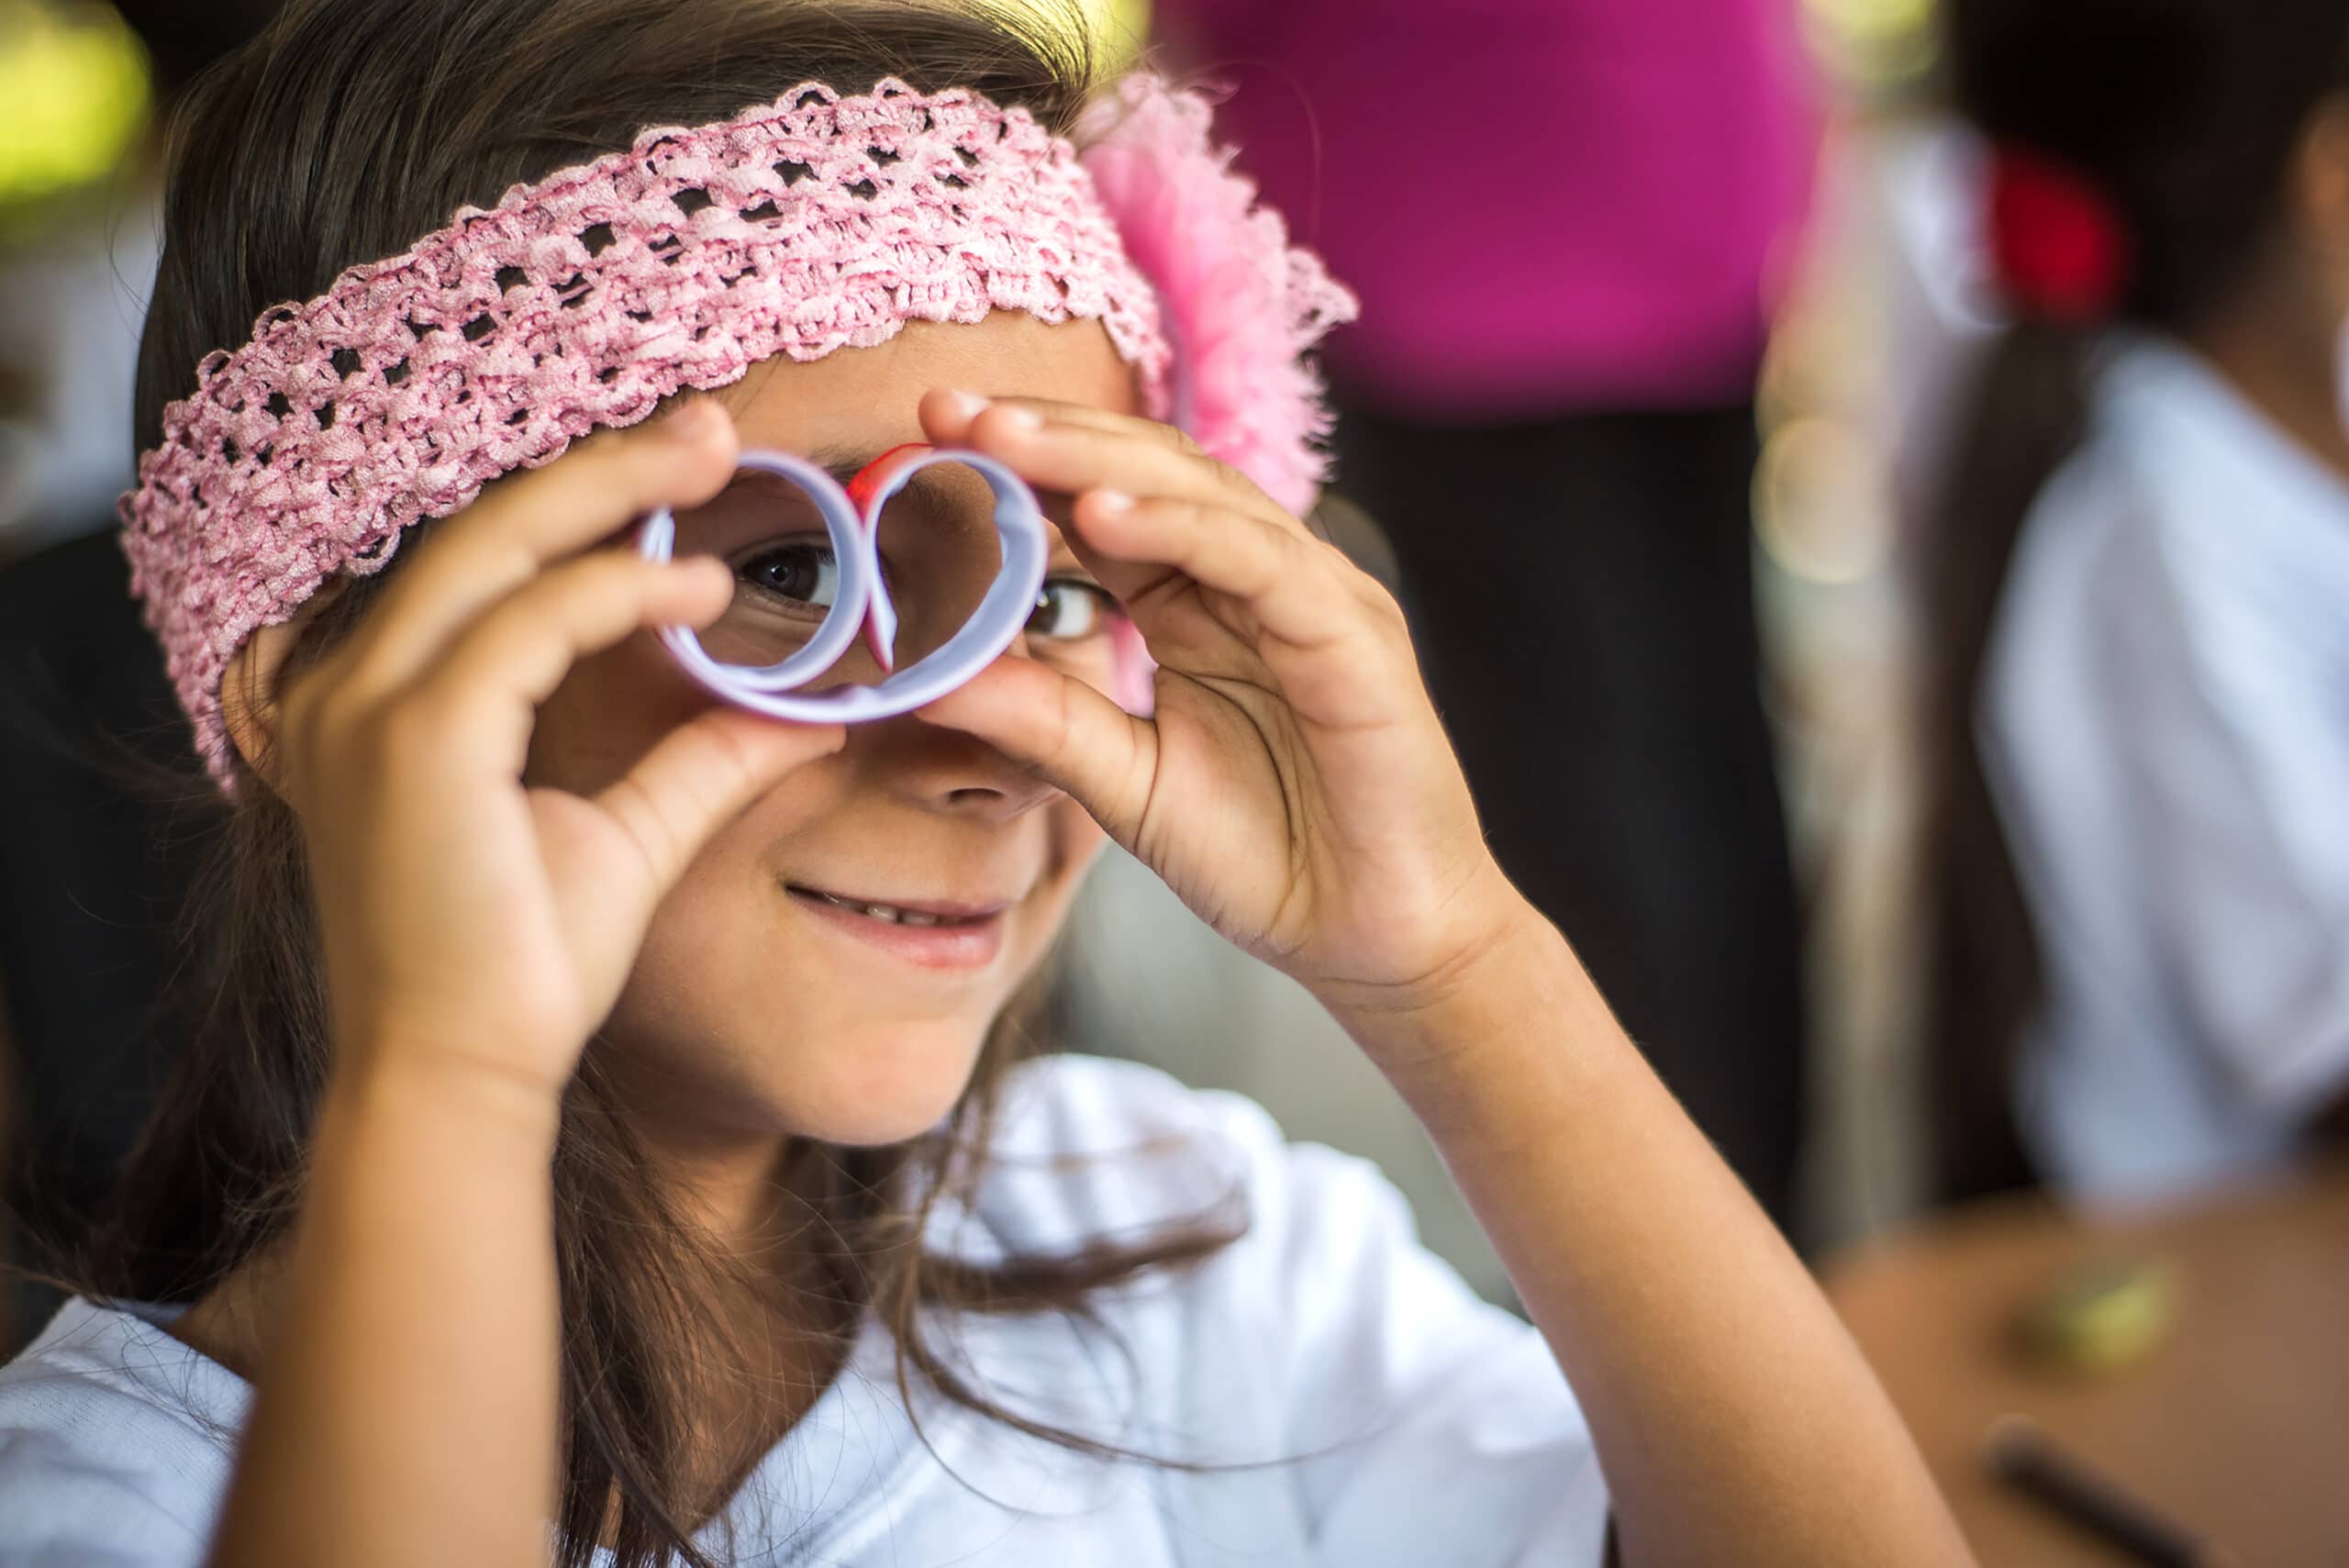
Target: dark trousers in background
[1581, 593]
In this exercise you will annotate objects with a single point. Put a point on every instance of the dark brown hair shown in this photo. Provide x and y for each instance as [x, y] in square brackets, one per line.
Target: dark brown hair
[343, 133]
[2185, 116]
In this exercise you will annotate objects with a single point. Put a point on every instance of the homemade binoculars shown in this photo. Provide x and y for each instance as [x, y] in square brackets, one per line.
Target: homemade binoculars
[935, 579]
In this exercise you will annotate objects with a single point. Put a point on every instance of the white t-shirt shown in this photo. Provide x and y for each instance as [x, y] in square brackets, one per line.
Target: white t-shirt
[2164, 724]
[1402, 1421]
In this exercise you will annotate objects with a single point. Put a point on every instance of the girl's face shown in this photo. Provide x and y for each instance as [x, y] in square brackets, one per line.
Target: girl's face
[781, 987]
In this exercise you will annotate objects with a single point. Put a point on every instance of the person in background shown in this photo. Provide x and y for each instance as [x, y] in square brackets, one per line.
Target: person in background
[1564, 218]
[2138, 603]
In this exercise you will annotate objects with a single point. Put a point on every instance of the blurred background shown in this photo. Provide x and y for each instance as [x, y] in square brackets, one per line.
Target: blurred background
[1734, 311]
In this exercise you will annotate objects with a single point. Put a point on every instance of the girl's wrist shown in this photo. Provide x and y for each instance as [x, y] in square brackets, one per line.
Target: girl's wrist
[462, 1091]
[1518, 977]
[1489, 1066]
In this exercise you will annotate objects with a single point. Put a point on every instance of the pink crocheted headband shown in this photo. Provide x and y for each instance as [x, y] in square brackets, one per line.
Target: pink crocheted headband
[814, 223]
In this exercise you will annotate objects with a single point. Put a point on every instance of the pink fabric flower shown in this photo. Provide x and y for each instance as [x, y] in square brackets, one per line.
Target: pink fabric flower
[1240, 305]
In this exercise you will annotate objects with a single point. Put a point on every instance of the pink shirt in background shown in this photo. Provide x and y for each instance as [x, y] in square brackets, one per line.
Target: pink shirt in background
[1544, 204]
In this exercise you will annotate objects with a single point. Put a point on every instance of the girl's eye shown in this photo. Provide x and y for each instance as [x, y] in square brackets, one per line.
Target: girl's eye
[1068, 608]
[799, 574]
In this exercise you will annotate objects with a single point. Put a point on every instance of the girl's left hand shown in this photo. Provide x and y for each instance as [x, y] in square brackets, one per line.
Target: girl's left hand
[1294, 786]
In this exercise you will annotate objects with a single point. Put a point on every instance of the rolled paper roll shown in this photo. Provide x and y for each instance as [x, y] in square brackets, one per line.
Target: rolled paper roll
[862, 600]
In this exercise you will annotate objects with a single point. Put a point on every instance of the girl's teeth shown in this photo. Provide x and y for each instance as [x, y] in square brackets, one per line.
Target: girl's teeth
[885, 912]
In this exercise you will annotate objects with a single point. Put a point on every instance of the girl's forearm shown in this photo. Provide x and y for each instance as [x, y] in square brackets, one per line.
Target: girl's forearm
[406, 1409]
[1735, 1419]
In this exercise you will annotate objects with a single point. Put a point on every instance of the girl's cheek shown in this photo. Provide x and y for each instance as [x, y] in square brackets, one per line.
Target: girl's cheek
[1114, 662]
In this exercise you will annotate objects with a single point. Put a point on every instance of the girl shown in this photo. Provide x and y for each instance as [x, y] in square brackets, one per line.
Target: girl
[2142, 565]
[603, 1124]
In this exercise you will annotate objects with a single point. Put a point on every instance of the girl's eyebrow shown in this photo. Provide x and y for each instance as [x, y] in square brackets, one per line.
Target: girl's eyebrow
[844, 462]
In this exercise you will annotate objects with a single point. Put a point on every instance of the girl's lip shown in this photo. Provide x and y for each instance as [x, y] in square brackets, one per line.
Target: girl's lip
[973, 941]
[944, 909]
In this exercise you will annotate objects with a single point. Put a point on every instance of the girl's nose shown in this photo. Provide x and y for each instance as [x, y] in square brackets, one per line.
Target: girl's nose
[944, 770]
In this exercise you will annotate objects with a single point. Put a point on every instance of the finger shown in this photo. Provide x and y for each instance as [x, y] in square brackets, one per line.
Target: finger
[1068, 733]
[485, 552]
[700, 776]
[1069, 448]
[488, 685]
[946, 416]
[1290, 586]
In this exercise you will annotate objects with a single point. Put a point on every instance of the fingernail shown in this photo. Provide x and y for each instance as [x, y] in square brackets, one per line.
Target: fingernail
[1021, 421]
[966, 404]
[1112, 503]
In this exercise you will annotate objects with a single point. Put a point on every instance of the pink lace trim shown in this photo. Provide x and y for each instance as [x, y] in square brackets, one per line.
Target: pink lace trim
[1240, 305]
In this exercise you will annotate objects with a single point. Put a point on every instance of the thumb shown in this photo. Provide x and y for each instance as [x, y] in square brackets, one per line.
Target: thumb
[1067, 732]
[700, 776]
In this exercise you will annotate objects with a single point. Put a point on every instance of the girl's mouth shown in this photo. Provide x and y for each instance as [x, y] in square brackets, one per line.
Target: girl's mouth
[928, 913]
[934, 934]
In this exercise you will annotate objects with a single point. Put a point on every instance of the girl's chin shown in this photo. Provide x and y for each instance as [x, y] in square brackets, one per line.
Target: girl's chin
[863, 1086]
[871, 1092]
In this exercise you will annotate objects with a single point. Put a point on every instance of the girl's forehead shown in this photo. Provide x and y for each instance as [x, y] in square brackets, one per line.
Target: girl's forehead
[865, 399]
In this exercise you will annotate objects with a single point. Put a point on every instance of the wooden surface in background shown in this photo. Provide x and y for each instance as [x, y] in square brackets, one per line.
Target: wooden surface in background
[2236, 1423]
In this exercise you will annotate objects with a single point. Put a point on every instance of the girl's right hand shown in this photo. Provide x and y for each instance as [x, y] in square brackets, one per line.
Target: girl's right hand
[468, 915]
